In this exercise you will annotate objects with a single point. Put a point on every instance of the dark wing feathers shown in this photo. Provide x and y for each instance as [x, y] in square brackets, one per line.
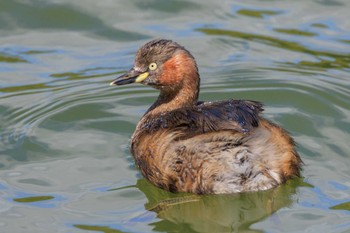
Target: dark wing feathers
[239, 115]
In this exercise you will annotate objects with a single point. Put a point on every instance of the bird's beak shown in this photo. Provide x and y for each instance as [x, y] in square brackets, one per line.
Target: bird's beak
[132, 76]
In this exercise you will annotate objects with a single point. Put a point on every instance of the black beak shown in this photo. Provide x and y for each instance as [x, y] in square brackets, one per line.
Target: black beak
[132, 76]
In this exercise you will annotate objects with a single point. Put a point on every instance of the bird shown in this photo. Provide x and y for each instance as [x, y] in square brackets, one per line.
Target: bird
[185, 145]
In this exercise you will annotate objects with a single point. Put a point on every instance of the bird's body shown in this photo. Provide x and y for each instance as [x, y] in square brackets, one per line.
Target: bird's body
[183, 145]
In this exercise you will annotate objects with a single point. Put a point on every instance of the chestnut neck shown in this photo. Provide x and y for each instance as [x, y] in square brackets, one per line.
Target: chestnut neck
[183, 93]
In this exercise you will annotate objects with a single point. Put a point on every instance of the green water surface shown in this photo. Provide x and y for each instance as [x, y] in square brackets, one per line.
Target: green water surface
[65, 164]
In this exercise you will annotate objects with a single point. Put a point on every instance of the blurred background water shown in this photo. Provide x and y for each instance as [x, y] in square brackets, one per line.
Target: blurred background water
[65, 164]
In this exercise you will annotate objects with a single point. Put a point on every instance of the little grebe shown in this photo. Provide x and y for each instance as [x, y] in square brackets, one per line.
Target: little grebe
[183, 145]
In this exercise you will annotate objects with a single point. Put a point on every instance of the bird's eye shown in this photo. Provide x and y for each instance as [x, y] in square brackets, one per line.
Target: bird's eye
[152, 66]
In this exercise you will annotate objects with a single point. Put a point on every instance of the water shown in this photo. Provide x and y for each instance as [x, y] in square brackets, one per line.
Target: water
[65, 165]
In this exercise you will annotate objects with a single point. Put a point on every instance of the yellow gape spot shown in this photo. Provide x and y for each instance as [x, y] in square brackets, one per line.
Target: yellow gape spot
[141, 77]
